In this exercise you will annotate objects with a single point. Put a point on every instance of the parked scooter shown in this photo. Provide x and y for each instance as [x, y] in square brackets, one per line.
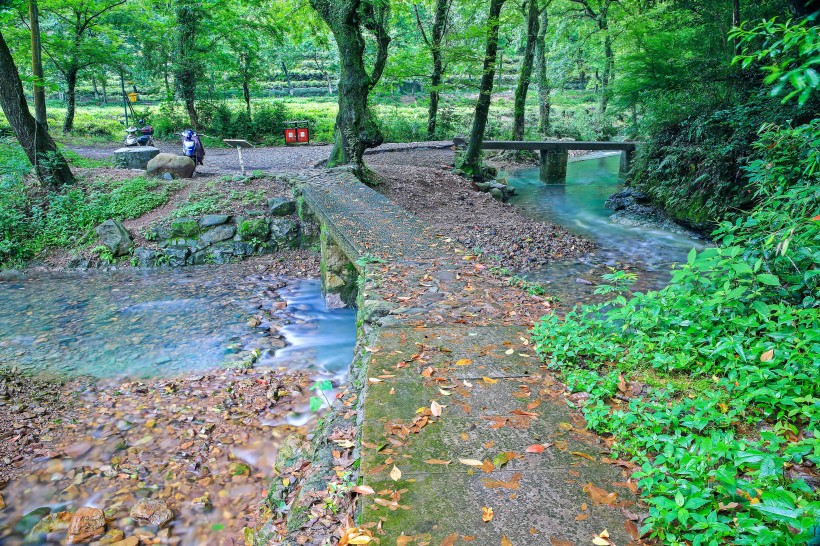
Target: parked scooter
[192, 146]
[139, 137]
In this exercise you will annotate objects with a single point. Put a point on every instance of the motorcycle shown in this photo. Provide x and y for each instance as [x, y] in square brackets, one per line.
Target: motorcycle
[192, 146]
[139, 137]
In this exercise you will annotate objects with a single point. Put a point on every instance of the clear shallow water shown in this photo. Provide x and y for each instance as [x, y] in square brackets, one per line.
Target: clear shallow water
[146, 323]
[578, 206]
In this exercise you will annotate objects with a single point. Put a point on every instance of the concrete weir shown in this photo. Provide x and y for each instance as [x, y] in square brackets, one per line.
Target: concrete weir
[450, 395]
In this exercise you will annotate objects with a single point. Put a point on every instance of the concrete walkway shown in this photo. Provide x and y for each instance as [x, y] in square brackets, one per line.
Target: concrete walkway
[465, 438]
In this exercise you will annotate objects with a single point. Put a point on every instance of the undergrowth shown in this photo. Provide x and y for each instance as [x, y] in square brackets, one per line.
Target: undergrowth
[725, 427]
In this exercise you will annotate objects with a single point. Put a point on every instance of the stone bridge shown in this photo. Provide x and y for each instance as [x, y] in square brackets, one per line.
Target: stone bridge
[447, 394]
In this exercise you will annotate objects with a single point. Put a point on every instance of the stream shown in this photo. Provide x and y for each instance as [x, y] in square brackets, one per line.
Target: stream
[579, 207]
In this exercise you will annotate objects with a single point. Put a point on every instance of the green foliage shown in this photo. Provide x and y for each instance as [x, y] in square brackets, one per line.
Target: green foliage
[744, 316]
[186, 228]
[257, 228]
[32, 219]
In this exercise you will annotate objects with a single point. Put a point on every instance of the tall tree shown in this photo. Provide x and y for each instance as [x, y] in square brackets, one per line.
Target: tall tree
[75, 42]
[42, 152]
[525, 72]
[541, 77]
[38, 89]
[188, 60]
[434, 43]
[472, 157]
[356, 128]
[598, 12]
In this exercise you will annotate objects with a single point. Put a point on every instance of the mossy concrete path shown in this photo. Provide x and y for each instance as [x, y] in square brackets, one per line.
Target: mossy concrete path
[465, 437]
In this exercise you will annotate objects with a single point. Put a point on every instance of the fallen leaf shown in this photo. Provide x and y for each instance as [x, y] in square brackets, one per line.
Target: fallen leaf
[535, 448]
[490, 380]
[505, 541]
[581, 517]
[560, 542]
[435, 408]
[471, 462]
[768, 356]
[514, 483]
[464, 362]
[632, 528]
[363, 490]
[599, 496]
[509, 351]
[437, 461]
[487, 514]
[395, 474]
[583, 455]
[450, 539]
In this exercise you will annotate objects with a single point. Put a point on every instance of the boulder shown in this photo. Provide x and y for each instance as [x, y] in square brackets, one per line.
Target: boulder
[152, 512]
[281, 207]
[217, 234]
[177, 255]
[284, 232]
[136, 157]
[86, 523]
[113, 235]
[177, 166]
[211, 220]
[254, 229]
[145, 257]
[626, 198]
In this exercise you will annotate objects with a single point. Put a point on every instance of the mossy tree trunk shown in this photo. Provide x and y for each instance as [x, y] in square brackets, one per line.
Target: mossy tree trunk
[525, 73]
[356, 127]
[472, 158]
[42, 152]
[71, 97]
[541, 77]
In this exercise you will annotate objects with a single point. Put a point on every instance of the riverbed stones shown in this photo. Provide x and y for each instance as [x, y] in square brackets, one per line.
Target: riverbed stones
[281, 207]
[113, 235]
[113, 536]
[152, 512]
[58, 521]
[86, 523]
[284, 231]
[176, 165]
[145, 257]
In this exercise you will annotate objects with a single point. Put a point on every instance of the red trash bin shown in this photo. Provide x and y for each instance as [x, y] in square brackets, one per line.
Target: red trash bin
[290, 136]
[302, 134]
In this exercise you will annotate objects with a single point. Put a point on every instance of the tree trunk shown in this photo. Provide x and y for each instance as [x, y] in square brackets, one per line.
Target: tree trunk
[186, 69]
[541, 76]
[287, 78]
[104, 89]
[37, 65]
[526, 71]
[472, 158]
[436, 39]
[71, 96]
[42, 152]
[736, 20]
[607, 72]
[94, 87]
[246, 88]
[356, 128]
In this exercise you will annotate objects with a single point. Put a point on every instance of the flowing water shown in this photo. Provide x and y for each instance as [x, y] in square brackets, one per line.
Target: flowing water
[578, 206]
[149, 323]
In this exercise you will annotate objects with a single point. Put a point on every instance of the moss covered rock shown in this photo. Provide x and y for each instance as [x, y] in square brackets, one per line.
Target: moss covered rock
[257, 228]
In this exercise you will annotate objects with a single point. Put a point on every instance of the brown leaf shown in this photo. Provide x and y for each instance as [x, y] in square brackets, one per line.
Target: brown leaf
[584, 455]
[581, 517]
[505, 541]
[363, 490]
[599, 496]
[450, 539]
[554, 541]
[514, 483]
[632, 528]
[768, 356]
[437, 461]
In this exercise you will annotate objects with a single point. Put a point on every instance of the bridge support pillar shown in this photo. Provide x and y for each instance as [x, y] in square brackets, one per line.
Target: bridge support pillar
[626, 163]
[554, 166]
[339, 276]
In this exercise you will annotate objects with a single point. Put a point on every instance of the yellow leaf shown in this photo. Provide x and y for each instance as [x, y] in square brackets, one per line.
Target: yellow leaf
[505, 541]
[487, 514]
[471, 462]
[768, 356]
[286, 481]
[444, 393]
[600, 541]
[490, 380]
[395, 474]
[435, 408]
[464, 362]
[509, 351]
[361, 539]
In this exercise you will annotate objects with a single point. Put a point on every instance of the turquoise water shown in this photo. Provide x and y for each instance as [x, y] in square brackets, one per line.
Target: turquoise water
[147, 323]
[578, 206]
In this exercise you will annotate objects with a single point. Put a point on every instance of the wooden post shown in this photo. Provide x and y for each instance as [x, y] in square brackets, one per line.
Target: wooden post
[626, 163]
[554, 166]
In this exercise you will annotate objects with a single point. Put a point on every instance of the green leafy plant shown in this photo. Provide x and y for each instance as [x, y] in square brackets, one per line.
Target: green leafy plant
[321, 387]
